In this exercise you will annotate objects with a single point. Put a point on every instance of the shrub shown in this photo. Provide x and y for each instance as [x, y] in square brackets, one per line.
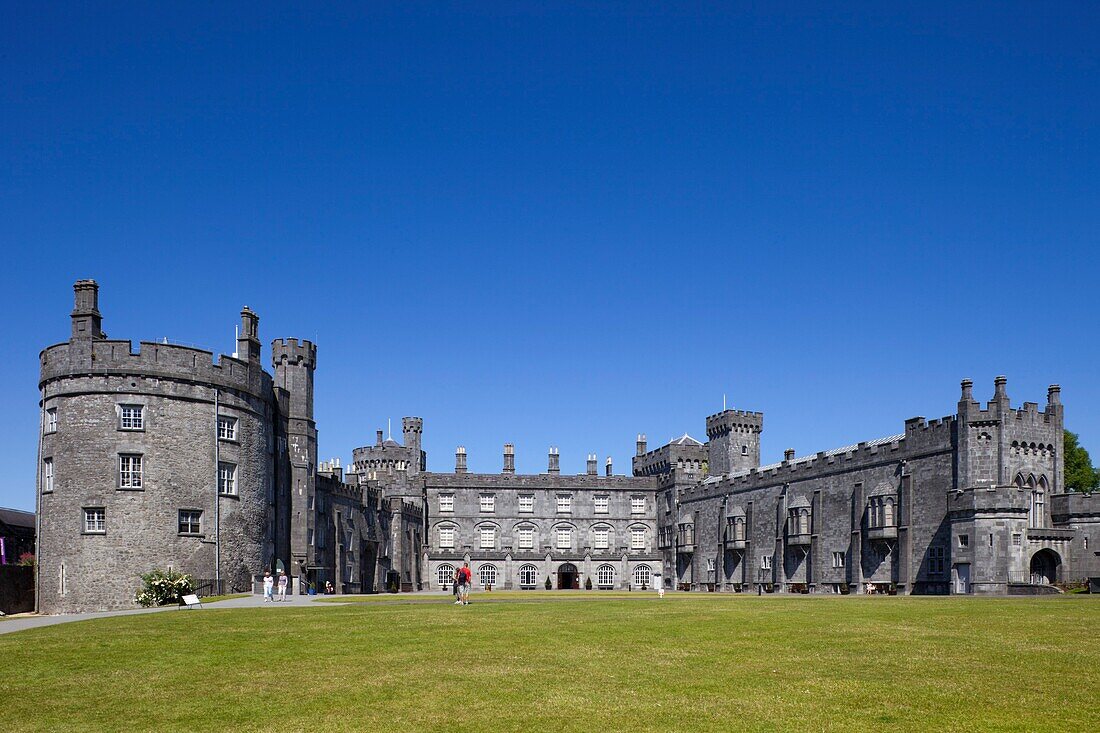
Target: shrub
[27, 558]
[588, 583]
[548, 584]
[162, 587]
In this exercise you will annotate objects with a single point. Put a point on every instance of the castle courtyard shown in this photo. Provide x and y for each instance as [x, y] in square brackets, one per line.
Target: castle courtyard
[559, 661]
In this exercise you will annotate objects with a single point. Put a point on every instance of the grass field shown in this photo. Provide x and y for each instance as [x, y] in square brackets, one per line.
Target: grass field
[580, 663]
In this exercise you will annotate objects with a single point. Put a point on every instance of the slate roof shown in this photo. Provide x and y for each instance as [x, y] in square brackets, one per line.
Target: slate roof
[684, 439]
[803, 459]
[16, 518]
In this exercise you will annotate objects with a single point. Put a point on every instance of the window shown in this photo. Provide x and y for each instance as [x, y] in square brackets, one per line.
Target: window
[129, 471]
[1017, 540]
[526, 538]
[565, 538]
[227, 427]
[888, 512]
[487, 574]
[602, 504]
[935, 560]
[488, 538]
[637, 538]
[964, 540]
[528, 574]
[95, 520]
[488, 502]
[309, 537]
[190, 520]
[599, 538]
[838, 559]
[47, 475]
[637, 505]
[643, 576]
[130, 417]
[444, 576]
[227, 479]
[605, 576]
[51, 420]
[527, 503]
[447, 537]
[744, 450]
[766, 562]
[565, 503]
[446, 502]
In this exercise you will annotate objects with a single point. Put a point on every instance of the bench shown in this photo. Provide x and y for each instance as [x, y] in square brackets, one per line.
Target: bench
[191, 601]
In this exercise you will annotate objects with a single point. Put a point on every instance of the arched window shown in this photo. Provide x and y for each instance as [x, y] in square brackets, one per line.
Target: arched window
[1038, 503]
[643, 576]
[527, 576]
[445, 575]
[888, 512]
[487, 574]
[605, 576]
[804, 521]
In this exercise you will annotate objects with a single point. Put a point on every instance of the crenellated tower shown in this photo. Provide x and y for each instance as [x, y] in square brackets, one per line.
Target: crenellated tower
[734, 441]
[295, 362]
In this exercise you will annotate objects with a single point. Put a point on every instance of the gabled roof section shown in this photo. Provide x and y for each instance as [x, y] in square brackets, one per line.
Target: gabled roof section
[685, 439]
[799, 502]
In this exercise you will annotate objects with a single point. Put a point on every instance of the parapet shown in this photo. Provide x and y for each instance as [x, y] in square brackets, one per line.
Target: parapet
[152, 359]
[727, 421]
[292, 351]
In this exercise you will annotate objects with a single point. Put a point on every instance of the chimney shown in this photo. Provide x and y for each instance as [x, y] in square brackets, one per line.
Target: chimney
[509, 458]
[999, 394]
[554, 464]
[607, 467]
[641, 444]
[788, 455]
[248, 339]
[1054, 395]
[592, 464]
[460, 459]
[967, 391]
[87, 321]
[378, 437]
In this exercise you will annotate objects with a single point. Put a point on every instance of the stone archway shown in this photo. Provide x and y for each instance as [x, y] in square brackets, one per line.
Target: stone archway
[1045, 565]
[568, 577]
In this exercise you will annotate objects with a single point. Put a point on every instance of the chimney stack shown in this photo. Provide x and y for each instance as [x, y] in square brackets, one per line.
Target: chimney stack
[641, 444]
[592, 464]
[967, 391]
[1054, 395]
[554, 464]
[999, 393]
[460, 459]
[788, 454]
[607, 467]
[509, 458]
[86, 320]
[378, 437]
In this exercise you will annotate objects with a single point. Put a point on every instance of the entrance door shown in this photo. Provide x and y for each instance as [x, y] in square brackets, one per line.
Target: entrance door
[568, 577]
[1044, 567]
[962, 579]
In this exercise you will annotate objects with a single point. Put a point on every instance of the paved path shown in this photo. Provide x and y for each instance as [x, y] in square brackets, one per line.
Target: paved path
[19, 623]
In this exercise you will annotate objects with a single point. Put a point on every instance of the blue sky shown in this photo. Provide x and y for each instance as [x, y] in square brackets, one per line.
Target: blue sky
[566, 226]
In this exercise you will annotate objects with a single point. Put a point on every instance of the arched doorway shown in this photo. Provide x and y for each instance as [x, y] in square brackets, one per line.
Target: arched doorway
[568, 577]
[1044, 567]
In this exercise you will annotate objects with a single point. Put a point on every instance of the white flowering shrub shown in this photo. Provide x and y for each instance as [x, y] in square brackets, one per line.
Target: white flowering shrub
[162, 587]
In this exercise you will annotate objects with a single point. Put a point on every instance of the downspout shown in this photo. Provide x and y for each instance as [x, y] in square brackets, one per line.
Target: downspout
[38, 504]
[217, 501]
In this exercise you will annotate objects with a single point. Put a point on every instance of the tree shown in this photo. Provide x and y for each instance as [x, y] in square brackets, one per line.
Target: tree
[1080, 475]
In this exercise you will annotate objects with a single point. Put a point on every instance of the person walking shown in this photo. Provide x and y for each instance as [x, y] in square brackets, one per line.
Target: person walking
[454, 585]
[465, 578]
[283, 582]
[269, 586]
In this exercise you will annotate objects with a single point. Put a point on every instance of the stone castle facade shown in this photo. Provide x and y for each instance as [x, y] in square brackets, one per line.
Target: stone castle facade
[167, 457]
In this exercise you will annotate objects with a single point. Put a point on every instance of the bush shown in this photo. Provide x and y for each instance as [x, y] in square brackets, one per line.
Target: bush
[26, 559]
[588, 583]
[548, 584]
[162, 587]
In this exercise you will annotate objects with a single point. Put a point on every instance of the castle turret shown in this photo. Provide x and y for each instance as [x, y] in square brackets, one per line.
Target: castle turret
[734, 441]
[295, 362]
[87, 321]
[412, 431]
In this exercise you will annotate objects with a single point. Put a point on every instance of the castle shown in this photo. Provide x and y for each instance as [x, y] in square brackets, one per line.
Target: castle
[167, 457]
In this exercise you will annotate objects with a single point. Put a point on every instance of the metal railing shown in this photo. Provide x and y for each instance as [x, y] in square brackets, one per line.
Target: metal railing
[205, 587]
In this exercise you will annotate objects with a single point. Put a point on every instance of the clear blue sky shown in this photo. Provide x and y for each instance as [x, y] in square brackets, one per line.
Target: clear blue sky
[566, 227]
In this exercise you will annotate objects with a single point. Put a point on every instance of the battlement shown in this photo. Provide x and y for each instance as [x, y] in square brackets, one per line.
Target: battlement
[963, 503]
[412, 424]
[152, 359]
[292, 351]
[722, 423]
[1000, 407]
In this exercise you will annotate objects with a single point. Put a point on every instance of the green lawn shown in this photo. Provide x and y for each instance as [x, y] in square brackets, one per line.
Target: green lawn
[687, 663]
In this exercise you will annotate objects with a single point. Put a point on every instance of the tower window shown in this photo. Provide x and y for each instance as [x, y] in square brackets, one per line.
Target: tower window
[744, 450]
[227, 427]
[129, 471]
[190, 521]
[227, 480]
[131, 417]
[51, 420]
[95, 520]
[47, 475]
